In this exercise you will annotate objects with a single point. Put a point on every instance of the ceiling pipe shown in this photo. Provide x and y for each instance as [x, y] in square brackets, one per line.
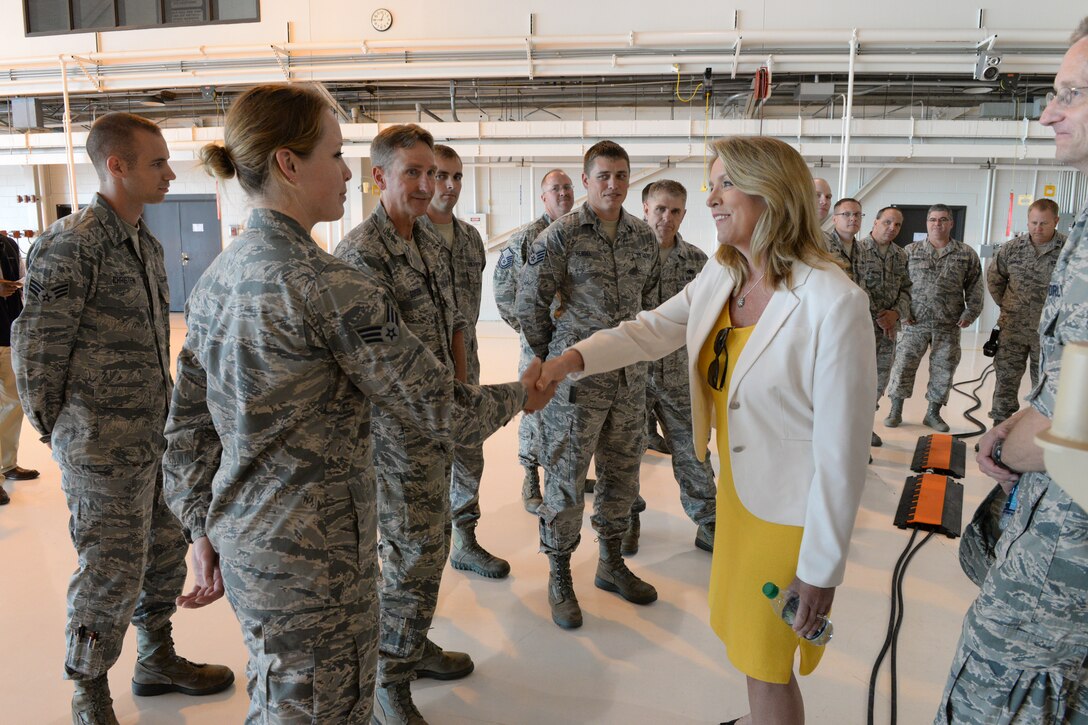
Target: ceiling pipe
[73, 198]
[848, 116]
[453, 101]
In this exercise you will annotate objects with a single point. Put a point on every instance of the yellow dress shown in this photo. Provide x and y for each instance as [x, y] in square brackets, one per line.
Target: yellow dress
[748, 552]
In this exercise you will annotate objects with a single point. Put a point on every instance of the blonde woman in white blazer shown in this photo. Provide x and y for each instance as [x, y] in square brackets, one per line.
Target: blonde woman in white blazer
[795, 406]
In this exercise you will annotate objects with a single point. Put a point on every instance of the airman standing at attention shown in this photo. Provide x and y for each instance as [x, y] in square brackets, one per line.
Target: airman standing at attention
[466, 257]
[605, 266]
[823, 197]
[1017, 280]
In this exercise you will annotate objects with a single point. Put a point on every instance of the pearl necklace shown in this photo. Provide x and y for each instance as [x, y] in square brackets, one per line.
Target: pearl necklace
[740, 300]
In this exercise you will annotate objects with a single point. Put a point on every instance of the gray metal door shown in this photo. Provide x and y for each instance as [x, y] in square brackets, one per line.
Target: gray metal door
[188, 227]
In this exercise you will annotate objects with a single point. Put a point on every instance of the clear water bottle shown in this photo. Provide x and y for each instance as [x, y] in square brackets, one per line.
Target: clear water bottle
[785, 606]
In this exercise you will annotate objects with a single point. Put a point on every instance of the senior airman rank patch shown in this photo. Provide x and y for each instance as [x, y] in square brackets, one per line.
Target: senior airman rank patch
[388, 332]
[50, 294]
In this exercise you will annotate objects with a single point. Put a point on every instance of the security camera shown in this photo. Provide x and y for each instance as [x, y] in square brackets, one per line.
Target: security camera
[986, 66]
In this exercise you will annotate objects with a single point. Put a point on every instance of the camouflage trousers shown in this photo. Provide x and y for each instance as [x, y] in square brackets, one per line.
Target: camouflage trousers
[943, 342]
[1015, 350]
[698, 492]
[314, 666]
[530, 434]
[614, 431]
[885, 357]
[414, 525]
[131, 554]
[467, 471]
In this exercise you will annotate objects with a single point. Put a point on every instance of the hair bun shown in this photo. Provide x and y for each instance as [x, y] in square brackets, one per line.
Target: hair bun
[217, 161]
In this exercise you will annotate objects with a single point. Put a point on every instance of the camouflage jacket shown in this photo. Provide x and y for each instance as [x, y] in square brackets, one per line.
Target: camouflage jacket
[466, 260]
[883, 276]
[946, 284]
[601, 283]
[508, 270]
[269, 445]
[1018, 278]
[681, 266]
[418, 277]
[91, 350]
[1032, 612]
[849, 263]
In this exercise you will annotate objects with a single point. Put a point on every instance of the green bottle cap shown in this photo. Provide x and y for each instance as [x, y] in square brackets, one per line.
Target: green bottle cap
[770, 590]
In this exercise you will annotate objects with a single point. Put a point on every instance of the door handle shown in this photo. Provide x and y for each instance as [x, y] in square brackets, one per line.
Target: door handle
[184, 259]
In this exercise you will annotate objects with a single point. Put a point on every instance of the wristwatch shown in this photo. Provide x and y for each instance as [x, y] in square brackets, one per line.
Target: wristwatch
[995, 455]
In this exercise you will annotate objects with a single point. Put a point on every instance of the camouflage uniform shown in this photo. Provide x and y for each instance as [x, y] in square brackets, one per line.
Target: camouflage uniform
[269, 455]
[1023, 653]
[1017, 280]
[848, 261]
[507, 274]
[91, 357]
[668, 398]
[466, 260]
[413, 468]
[946, 288]
[882, 273]
[601, 283]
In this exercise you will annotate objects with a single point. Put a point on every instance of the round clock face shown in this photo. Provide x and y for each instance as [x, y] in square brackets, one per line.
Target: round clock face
[382, 20]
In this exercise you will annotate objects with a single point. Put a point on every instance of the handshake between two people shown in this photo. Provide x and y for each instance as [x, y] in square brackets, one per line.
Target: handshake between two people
[541, 379]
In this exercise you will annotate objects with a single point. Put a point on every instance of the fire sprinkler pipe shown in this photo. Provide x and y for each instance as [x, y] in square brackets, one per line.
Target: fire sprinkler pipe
[848, 116]
[68, 146]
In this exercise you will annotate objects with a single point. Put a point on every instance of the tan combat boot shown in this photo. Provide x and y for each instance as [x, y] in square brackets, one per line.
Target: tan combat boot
[92, 704]
[160, 670]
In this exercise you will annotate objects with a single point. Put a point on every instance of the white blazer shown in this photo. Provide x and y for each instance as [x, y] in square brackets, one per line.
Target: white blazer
[801, 399]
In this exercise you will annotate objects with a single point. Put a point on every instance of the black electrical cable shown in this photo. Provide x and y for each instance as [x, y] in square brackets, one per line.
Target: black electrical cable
[973, 395]
[891, 627]
[899, 624]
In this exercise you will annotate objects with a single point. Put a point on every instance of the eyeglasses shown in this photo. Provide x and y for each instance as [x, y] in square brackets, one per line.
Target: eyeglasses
[719, 366]
[850, 214]
[1065, 97]
[941, 220]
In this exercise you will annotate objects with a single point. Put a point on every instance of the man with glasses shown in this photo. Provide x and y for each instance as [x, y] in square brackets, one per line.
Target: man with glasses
[946, 296]
[840, 239]
[880, 267]
[557, 193]
[1021, 656]
[1017, 281]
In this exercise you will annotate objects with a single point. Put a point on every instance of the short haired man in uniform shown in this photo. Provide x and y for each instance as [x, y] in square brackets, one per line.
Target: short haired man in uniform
[1021, 656]
[466, 258]
[404, 253]
[846, 217]
[667, 395]
[880, 268]
[557, 193]
[605, 266]
[946, 296]
[1017, 280]
[92, 361]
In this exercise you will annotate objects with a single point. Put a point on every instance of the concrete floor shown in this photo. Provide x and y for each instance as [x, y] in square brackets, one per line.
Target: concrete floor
[627, 664]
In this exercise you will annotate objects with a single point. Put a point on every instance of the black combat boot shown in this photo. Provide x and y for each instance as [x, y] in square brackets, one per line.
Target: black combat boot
[614, 576]
[933, 418]
[565, 610]
[92, 704]
[160, 670]
[443, 664]
[895, 414]
[468, 555]
[393, 705]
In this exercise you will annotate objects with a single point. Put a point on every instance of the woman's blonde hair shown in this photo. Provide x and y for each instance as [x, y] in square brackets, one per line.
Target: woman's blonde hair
[260, 122]
[789, 230]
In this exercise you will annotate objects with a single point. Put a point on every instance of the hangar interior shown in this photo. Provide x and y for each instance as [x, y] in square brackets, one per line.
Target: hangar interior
[909, 104]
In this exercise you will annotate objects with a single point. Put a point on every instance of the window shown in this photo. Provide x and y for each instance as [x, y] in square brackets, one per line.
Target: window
[48, 17]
